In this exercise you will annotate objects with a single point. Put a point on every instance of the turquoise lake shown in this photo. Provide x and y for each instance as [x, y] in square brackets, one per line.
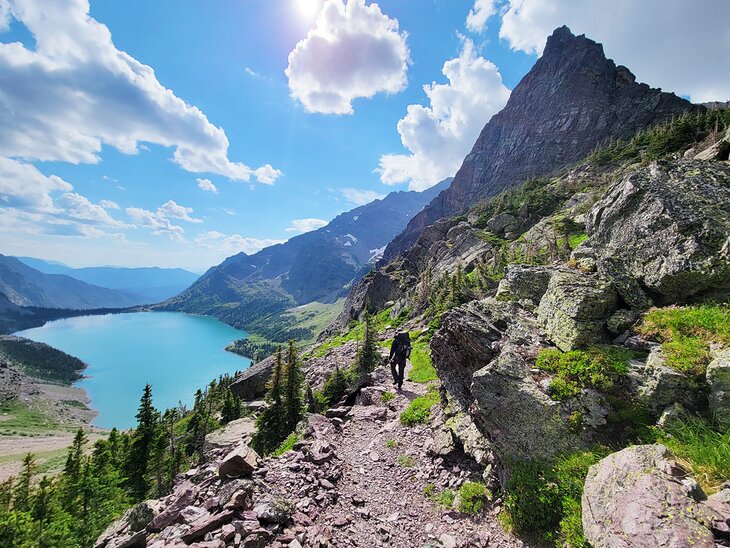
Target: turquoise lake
[174, 352]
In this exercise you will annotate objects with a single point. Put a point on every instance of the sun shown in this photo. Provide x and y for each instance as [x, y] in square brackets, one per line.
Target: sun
[308, 8]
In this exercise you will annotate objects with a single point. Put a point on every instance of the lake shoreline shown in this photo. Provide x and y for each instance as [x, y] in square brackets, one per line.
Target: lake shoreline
[124, 351]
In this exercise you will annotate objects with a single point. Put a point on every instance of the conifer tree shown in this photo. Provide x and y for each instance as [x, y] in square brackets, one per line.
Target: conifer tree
[138, 460]
[271, 423]
[293, 388]
[368, 355]
[22, 493]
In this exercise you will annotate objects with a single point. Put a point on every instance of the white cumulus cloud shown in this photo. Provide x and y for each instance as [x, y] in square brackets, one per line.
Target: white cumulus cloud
[206, 184]
[359, 196]
[476, 21]
[438, 136]
[354, 50]
[678, 45]
[161, 221]
[75, 91]
[226, 246]
[306, 225]
[109, 204]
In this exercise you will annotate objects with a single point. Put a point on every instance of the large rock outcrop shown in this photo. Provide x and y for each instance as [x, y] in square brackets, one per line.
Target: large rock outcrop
[575, 307]
[663, 233]
[482, 353]
[572, 100]
[635, 498]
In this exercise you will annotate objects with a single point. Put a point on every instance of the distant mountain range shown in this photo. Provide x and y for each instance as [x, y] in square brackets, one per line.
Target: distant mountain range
[147, 285]
[316, 266]
[26, 286]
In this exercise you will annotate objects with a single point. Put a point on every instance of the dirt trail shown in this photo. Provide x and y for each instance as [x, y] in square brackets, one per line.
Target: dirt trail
[379, 497]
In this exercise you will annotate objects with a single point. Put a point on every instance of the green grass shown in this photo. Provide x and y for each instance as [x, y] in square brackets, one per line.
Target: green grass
[423, 370]
[687, 332]
[705, 452]
[419, 410]
[473, 497]
[597, 367]
[387, 396]
[17, 418]
[286, 445]
[391, 444]
[574, 240]
[544, 499]
[405, 461]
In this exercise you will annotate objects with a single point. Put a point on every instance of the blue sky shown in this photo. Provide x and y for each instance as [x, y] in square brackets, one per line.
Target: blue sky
[171, 133]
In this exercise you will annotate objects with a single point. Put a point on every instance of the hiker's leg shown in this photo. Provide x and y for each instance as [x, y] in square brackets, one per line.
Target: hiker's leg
[393, 371]
[401, 372]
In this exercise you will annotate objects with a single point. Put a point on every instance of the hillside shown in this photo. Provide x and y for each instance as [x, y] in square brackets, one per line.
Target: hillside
[572, 100]
[316, 266]
[26, 286]
[149, 285]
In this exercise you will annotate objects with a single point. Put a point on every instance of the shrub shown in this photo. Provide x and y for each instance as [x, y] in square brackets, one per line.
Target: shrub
[335, 387]
[597, 367]
[686, 334]
[543, 499]
[419, 410]
[472, 498]
[445, 498]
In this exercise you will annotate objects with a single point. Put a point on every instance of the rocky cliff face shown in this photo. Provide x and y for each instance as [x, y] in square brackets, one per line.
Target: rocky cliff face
[572, 100]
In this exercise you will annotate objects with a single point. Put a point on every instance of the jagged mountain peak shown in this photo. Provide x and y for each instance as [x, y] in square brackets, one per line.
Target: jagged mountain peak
[572, 100]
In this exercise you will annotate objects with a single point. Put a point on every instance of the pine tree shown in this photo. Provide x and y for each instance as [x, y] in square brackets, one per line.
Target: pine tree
[271, 423]
[138, 460]
[231, 409]
[22, 493]
[368, 355]
[293, 387]
[335, 387]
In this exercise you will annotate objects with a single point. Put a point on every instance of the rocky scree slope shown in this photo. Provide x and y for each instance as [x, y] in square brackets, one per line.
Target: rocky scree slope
[572, 100]
[316, 266]
[342, 484]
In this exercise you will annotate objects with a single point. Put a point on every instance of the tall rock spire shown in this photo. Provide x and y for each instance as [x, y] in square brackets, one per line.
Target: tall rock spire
[573, 99]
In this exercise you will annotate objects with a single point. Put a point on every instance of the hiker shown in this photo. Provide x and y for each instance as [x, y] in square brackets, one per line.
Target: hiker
[399, 353]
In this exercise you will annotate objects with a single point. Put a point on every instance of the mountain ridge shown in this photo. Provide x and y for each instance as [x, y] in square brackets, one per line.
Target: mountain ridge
[590, 100]
[244, 287]
[25, 286]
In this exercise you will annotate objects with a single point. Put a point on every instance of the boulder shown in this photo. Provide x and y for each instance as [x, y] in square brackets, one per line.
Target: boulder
[524, 283]
[240, 462]
[661, 233]
[471, 336]
[172, 512]
[207, 523]
[129, 530]
[718, 379]
[635, 499]
[621, 320]
[661, 386]
[522, 421]
[718, 151]
[575, 308]
[251, 383]
[273, 509]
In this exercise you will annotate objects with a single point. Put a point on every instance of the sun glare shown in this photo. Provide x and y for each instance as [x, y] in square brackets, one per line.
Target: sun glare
[308, 8]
